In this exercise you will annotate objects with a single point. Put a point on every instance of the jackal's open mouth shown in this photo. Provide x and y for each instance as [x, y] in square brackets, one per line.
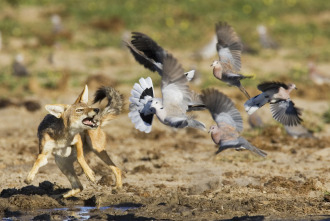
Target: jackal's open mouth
[89, 122]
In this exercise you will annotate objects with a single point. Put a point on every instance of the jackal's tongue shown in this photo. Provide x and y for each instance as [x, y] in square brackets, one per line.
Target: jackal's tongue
[88, 121]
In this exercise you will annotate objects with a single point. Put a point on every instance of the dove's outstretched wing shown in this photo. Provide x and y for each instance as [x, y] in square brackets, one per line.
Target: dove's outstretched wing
[229, 46]
[222, 109]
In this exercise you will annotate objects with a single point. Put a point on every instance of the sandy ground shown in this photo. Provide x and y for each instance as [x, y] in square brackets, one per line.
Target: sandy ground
[168, 174]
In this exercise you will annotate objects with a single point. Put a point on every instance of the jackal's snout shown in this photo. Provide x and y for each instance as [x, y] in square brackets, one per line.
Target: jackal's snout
[92, 119]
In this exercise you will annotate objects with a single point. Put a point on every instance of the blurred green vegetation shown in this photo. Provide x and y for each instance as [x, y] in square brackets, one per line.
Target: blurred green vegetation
[298, 25]
[326, 116]
[180, 24]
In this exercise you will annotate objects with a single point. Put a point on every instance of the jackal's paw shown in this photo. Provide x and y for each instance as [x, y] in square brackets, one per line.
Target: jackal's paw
[28, 180]
[71, 193]
[90, 175]
[119, 186]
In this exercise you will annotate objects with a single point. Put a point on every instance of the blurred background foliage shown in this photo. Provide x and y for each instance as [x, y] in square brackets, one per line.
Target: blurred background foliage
[90, 42]
[302, 24]
[301, 27]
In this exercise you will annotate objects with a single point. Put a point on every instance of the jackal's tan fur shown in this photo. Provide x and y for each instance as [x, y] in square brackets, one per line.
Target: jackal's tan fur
[69, 130]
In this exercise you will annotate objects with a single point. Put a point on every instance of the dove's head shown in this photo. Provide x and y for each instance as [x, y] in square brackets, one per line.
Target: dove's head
[213, 128]
[215, 64]
[262, 29]
[292, 86]
[56, 19]
[19, 58]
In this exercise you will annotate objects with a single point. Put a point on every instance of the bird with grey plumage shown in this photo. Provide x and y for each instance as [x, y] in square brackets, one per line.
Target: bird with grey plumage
[176, 100]
[229, 49]
[281, 105]
[57, 23]
[298, 131]
[148, 53]
[208, 50]
[316, 76]
[229, 123]
[255, 120]
[19, 68]
[264, 38]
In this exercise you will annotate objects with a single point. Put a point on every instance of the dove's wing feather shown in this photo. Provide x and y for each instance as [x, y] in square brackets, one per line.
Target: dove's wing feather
[148, 46]
[175, 90]
[286, 113]
[229, 46]
[222, 108]
[147, 62]
[265, 86]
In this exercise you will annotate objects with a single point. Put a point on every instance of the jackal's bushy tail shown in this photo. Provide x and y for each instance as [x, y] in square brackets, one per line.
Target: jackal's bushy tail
[114, 105]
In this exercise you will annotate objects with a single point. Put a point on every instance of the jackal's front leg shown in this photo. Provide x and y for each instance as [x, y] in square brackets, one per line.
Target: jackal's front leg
[46, 146]
[81, 160]
[41, 161]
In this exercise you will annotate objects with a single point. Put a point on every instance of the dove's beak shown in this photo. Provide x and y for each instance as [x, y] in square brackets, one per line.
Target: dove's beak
[296, 88]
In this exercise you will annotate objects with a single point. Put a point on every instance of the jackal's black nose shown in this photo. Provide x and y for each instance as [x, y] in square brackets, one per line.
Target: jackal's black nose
[96, 110]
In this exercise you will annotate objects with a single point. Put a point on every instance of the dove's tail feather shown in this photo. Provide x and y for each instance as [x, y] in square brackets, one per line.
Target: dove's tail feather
[247, 145]
[114, 105]
[255, 103]
[140, 111]
[244, 91]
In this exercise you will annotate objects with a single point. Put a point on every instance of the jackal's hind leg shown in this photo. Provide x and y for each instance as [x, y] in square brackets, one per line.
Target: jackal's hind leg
[96, 139]
[65, 164]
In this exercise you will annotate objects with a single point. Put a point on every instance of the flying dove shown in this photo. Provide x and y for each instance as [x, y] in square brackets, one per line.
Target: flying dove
[229, 48]
[226, 133]
[149, 54]
[255, 120]
[19, 68]
[298, 131]
[281, 106]
[171, 109]
[265, 40]
[57, 23]
[316, 76]
[207, 51]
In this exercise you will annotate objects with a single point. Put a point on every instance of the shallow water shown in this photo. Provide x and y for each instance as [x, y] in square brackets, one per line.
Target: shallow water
[65, 213]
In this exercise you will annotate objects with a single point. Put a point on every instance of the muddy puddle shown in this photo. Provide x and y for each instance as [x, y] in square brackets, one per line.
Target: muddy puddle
[69, 213]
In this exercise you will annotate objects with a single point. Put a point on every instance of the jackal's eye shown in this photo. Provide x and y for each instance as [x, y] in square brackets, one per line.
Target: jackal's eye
[79, 110]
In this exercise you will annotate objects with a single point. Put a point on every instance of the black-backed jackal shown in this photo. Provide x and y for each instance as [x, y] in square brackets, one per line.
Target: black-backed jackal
[69, 130]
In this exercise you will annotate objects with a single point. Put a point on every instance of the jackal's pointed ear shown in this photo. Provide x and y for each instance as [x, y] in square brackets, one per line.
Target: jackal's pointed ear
[83, 97]
[56, 109]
